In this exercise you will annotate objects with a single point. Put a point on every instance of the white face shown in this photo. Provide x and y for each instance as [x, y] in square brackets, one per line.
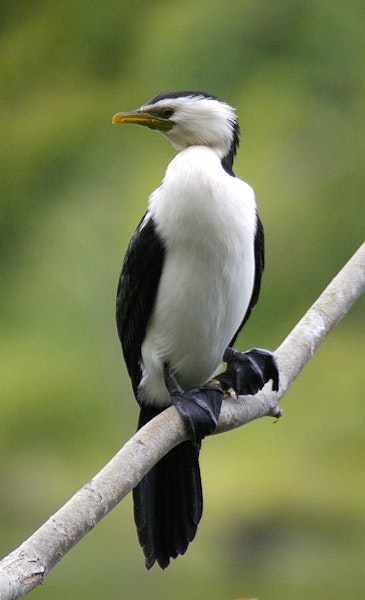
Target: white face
[198, 121]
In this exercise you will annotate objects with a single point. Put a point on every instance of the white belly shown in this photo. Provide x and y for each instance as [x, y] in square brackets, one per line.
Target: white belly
[208, 220]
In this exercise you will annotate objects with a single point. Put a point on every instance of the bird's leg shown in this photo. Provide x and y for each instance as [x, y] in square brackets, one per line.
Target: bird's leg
[199, 407]
[247, 372]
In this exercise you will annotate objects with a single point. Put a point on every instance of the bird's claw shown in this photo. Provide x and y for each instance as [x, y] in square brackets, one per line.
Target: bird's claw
[247, 372]
[199, 407]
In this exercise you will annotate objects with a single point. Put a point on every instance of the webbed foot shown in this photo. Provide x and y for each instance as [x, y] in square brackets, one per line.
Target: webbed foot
[247, 372]
[198, 407]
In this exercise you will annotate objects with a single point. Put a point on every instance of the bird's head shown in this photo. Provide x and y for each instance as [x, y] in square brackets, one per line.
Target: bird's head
[190, 119]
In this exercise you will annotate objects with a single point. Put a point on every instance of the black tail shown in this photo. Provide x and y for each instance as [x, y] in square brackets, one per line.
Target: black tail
[168, 501]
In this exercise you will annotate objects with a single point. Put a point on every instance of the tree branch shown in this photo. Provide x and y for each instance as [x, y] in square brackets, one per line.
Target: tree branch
[25, 568]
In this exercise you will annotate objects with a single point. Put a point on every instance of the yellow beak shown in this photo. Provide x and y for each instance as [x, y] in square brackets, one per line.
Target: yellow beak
[143, 118]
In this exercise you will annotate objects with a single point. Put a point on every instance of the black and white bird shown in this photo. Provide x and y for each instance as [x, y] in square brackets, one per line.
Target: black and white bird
[190, 278]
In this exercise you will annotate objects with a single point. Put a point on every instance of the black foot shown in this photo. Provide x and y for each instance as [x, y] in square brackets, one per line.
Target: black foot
[198, 407]
[247, 372]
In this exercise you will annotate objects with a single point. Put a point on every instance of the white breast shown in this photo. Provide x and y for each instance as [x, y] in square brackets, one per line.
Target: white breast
[207, 219]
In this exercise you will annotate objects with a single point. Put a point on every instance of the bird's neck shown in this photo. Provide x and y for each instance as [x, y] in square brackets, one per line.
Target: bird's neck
[227, 160]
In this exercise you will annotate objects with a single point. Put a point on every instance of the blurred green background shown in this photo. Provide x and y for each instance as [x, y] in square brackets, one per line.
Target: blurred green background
[284, 503]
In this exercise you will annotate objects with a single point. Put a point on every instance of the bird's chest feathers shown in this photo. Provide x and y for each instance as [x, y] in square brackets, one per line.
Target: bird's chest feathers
[207, 220]
[205, 216]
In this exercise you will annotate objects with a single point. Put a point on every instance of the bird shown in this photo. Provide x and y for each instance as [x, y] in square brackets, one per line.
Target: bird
[190, 278]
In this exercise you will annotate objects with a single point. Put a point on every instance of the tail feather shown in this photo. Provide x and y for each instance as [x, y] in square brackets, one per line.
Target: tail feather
[168, 502]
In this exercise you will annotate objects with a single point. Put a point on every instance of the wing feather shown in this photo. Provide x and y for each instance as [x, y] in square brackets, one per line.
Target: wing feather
[259, 250]
[136, 292]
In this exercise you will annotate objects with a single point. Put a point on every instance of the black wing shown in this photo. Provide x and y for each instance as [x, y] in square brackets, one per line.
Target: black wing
[259, 250]
[136, 293]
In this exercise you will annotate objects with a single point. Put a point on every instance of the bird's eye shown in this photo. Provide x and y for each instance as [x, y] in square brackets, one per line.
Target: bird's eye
[166, 113]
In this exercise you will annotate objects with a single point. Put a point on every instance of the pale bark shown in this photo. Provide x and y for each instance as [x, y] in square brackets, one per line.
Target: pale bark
[26, 567]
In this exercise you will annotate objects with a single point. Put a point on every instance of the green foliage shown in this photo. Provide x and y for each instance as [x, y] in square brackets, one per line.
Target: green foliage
[283, 503]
